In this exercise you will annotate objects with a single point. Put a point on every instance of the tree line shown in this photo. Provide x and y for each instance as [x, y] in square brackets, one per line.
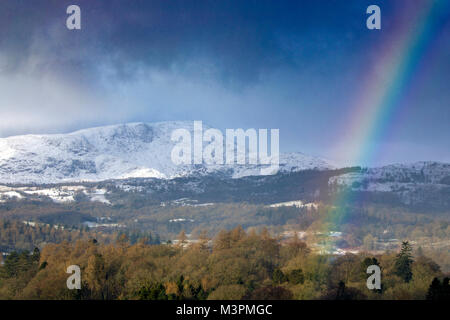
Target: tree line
[234, 264]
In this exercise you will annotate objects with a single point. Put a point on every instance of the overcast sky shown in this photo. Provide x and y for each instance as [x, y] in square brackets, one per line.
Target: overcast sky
[292, 65]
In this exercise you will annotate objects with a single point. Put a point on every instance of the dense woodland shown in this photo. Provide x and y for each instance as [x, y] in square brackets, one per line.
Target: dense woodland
[240, 253]
[25, 236]
[234, 265]
[360, 220]
[366, 227]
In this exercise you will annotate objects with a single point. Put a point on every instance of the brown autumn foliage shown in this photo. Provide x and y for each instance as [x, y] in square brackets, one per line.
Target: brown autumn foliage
[236, 265]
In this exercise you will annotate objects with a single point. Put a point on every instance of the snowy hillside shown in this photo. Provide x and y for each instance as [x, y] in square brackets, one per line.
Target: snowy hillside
[115, 152]
[413, 183]
[387, 177]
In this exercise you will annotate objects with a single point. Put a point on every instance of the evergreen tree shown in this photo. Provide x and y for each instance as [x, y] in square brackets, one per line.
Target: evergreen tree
[438, 290]
[180, 285]
[435, 290]
[446, 289]
[404, 261]
[154, 291]
[340, 293]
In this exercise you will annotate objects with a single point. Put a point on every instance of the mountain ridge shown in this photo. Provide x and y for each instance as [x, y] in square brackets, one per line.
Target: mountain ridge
[130, 150]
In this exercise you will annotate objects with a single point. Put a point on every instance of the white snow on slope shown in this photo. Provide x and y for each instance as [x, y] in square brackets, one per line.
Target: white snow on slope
[396, 177]
[294, 203]
[141, 150]
[58, 194]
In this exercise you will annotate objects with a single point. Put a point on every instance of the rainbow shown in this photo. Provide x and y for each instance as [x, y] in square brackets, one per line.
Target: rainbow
[378, 105]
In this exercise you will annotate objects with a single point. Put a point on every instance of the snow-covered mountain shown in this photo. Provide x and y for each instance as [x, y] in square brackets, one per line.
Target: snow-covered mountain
[116, 152]
[419, 182]
[396, 176]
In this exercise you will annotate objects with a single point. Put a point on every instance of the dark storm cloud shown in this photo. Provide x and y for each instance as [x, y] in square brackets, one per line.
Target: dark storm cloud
[240, 39]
